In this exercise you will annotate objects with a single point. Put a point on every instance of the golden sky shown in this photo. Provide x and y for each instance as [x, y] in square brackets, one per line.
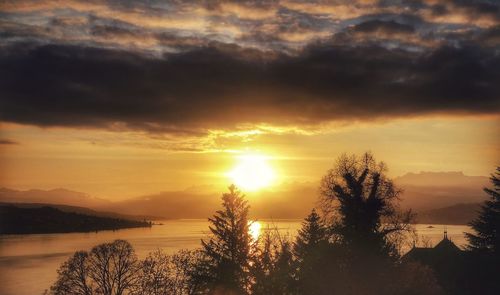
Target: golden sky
[118, 165]
[125, 98]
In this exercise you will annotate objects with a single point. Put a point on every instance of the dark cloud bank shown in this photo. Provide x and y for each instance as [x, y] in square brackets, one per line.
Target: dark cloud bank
[220, 85]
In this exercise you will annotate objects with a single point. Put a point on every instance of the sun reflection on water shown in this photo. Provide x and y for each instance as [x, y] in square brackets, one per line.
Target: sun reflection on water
[254, 229]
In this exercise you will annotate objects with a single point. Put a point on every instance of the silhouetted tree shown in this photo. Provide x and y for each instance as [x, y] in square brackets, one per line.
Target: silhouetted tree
[226, 265]
[310, 249]
[113, 266]
[359, 198]
[412, 278]
[359, 202]
[73, 277]
[487, 225]
[109, 269]
[481, 268]
[312, 234]
[283, 274]
[273, 267]
[263, 264]
[166, 274]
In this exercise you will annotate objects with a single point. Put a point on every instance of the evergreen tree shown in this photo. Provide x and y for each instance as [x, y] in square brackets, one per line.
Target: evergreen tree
[225, 269]
[483, 260]
[263, 264]
[310, 236]
[273, 266]
[283, 274]
[487, 225]
[310, 249]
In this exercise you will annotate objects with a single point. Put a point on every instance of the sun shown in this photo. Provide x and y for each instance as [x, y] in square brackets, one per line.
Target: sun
[252, 172]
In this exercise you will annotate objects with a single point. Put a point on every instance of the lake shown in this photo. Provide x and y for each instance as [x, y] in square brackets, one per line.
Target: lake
[28, 263]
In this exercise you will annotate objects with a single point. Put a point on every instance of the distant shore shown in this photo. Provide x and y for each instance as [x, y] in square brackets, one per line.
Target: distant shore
[16, 220]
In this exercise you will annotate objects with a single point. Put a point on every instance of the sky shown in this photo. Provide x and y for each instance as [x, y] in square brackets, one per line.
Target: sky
[125, 98]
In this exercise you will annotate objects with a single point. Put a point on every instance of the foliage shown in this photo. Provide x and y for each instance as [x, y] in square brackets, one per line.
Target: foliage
[161, 273]
[365, 228]
[311, 236]
[360, 201]
[350, 249]
[413, 279]
[273, 265]
[227, 253]
[17, 220]
[487, 225]
[310, 249]
[483, 261]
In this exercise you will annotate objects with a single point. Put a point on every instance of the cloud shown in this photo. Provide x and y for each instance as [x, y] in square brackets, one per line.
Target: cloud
[284, 26]
[481, 13]
[387, 27]
[190, 67]
[222, 86]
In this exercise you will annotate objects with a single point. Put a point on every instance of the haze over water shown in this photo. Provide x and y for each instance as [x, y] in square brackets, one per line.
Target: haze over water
[28, 263]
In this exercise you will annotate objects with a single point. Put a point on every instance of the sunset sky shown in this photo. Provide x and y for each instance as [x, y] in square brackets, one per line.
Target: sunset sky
[126, 98]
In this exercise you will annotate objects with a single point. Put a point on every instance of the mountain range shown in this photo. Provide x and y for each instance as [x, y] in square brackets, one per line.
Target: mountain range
[438, 197]
[431, 190]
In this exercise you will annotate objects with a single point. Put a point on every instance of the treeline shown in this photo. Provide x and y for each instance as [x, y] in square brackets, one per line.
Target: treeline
[352, 247]
[16, 220]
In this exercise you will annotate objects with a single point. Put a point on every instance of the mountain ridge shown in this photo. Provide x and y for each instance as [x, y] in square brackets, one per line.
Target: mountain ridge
[422, 192]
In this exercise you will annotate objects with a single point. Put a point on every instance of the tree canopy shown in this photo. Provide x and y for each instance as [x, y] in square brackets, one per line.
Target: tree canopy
[226, 266]
[487, 225]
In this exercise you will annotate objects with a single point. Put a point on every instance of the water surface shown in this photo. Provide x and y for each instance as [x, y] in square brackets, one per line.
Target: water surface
[28, 263]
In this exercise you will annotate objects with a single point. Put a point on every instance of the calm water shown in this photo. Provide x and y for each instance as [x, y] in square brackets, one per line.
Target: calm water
[28, 263]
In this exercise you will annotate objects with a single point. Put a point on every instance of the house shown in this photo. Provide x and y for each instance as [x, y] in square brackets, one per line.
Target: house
[443, 251]
[445, 259]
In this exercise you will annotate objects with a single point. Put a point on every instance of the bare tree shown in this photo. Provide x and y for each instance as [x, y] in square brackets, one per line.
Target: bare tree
[124, 266]
[108, 269]
[161, 273]
[73, 276]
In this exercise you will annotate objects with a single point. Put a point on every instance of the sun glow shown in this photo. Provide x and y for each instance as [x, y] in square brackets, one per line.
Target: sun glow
[252, 173]
[254, 229]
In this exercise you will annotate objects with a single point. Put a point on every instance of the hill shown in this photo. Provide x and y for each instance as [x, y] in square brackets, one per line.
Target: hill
[422, 192]
[294, 202]
[456, 214]
[85, 211]
[430, 190]
[36, 220]
[54, 196]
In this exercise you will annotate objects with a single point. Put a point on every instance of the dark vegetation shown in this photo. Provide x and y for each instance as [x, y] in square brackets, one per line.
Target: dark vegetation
[83, 210]
[36, 220]
[352, 246]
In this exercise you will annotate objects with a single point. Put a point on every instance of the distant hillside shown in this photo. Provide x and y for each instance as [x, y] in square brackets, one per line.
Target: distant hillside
[85, 211]
[295, 202]
[17, 220]
[456, 214]
[431, 190]
[421, 191]
[54, 196]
